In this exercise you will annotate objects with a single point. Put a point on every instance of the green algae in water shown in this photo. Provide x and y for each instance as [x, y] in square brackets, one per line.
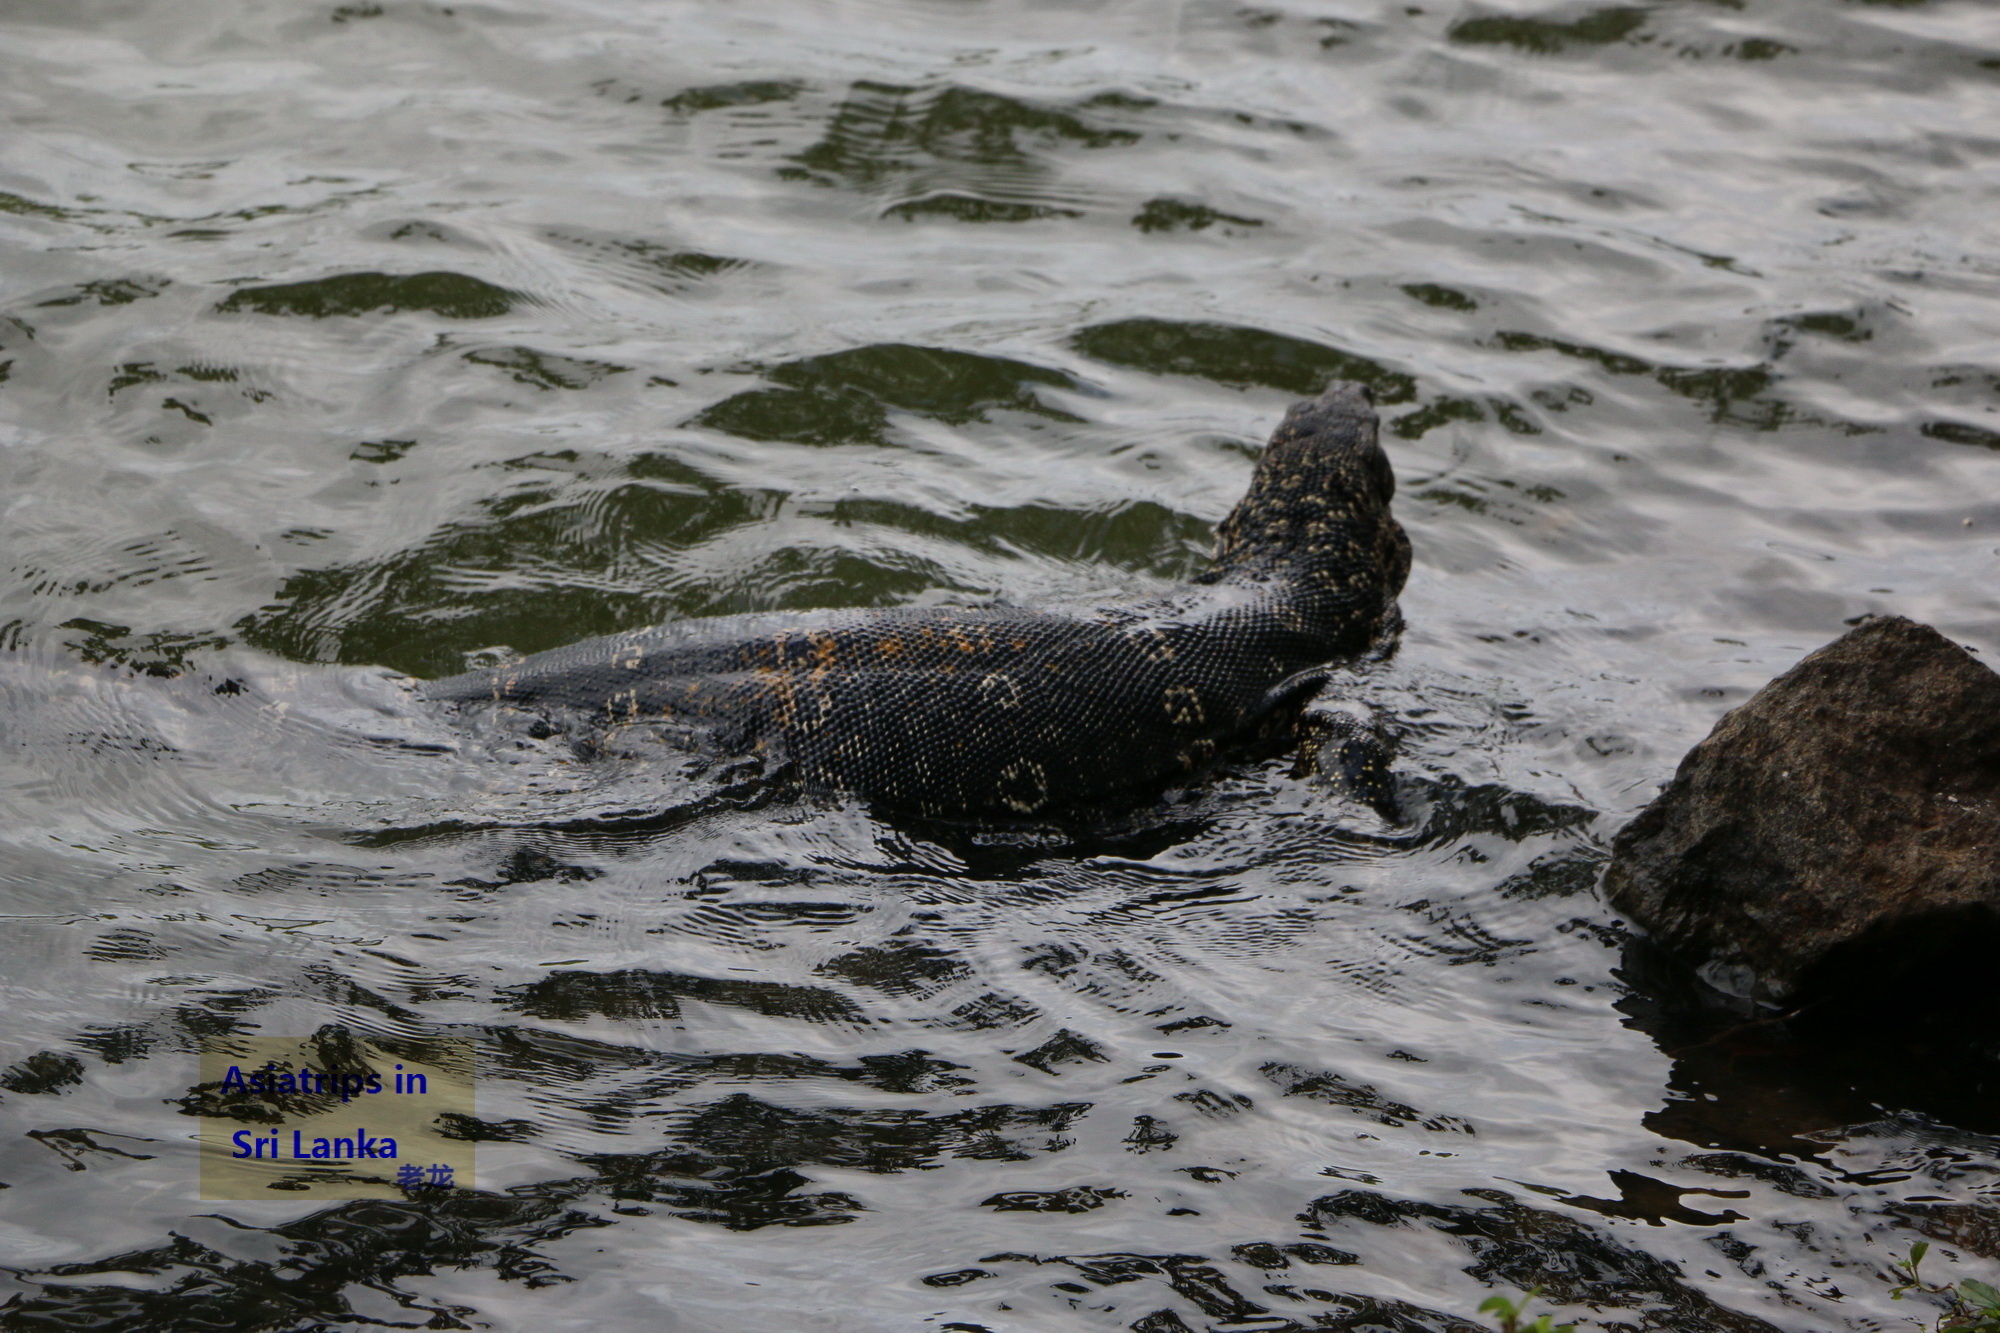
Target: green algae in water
[1444, 298]
[1238, 356]
[846, 397]
[110, 291]
[1165, 214]
[751, 92]
[545, 370]
[1962, 432]
[968, 208]
[1600, 27]
[1415, 425]
[452, 295]
[884, 130]
[1732, 393]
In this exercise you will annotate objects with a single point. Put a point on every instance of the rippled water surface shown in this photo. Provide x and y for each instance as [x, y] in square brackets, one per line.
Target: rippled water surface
[340, 343]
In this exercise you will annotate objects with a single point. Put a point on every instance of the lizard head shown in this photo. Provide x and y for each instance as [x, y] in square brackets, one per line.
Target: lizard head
[1317, 514]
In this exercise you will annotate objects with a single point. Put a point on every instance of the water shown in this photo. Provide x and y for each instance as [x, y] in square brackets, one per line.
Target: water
[401, 337]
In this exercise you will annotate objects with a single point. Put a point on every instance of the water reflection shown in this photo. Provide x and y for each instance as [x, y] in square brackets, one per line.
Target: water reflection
[361, 339]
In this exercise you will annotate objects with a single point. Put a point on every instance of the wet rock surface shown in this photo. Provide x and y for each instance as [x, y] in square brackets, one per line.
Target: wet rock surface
[1836, 834]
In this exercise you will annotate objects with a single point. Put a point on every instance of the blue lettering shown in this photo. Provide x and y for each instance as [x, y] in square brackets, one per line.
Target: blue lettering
[242, 1148]
[233, 1079]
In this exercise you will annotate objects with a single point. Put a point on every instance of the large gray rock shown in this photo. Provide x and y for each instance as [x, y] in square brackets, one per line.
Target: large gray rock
[1840, 829]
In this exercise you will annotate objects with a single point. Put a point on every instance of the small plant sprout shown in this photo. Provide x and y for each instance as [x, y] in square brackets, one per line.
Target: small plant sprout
[1973, 1306]
[1511, 1313]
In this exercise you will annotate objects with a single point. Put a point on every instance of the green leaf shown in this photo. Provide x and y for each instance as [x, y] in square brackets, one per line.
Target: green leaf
[1983, 1296]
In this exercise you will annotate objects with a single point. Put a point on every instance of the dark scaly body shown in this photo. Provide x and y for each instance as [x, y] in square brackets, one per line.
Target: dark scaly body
[1014, 710]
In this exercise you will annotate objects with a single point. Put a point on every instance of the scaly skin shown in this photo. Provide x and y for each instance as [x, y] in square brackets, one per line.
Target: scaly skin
[1005, 710]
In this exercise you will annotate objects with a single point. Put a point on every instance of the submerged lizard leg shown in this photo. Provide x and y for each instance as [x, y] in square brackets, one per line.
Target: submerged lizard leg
[1340, 741]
